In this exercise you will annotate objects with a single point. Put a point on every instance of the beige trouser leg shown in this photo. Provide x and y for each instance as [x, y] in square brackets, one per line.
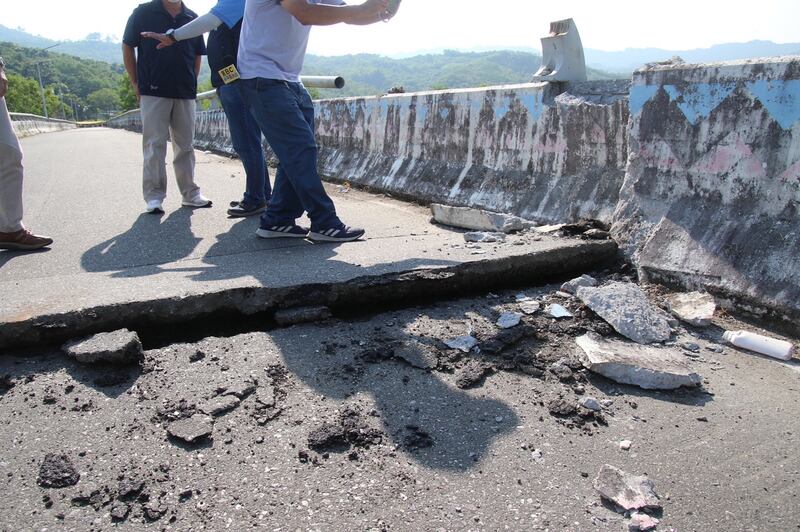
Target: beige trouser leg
[10, 175]
[160, 118]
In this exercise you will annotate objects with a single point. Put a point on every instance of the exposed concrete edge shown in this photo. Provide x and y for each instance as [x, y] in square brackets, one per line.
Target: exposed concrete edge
[408, 286]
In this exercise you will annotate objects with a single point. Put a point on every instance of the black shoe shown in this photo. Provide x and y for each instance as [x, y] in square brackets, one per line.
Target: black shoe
[243, 210]
[337, 234]
[282, 231]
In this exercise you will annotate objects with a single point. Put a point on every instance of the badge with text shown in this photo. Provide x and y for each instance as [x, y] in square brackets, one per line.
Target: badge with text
[229, 74]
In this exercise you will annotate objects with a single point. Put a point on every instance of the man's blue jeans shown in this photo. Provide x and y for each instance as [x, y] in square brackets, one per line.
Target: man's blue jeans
[246, 138]
[285, 114]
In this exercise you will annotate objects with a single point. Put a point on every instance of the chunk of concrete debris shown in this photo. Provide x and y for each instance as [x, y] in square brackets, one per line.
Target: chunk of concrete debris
[220, 405]
[528, 305]
[647, 367]
[192, 430]
[417, 355]
[295, 316]
[57, 471]
[545, 229]
[626, 308]
[509, 320]
[484, 237]
[571, 287]
[119, 347]
[641, 522]
[626, 445]
[558, 312]
[626, 491]
[477, 220]
[462, 343]
[695, 308]
[471, 374]
[590, 403]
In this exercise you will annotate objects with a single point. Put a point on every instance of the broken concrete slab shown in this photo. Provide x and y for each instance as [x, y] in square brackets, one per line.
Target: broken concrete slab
[626, 308]
[509, 320]
[695, 308]
[647, 367]
[485, 237]
[193, 429]
[462, 343]
[627, 491]
[220, 405]
[476, 219]
[558, 312]
[296, 316]
[528, 305]
[120, 347]
[571, 287]
[471, 374]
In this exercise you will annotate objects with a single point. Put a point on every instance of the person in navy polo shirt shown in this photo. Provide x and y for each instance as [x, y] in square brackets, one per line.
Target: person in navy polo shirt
[224, 25]
[166, 83]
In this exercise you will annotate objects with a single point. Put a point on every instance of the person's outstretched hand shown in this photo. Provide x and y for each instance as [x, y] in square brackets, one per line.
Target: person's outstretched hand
[163, 40]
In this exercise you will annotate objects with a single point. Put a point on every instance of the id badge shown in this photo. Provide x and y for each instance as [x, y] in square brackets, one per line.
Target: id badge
[229, 74]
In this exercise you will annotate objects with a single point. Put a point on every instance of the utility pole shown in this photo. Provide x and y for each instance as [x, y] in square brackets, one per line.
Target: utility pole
[41, 85]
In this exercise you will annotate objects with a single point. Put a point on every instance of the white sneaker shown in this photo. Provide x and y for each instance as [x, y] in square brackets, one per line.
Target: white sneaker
[154, 206]
[198, 201]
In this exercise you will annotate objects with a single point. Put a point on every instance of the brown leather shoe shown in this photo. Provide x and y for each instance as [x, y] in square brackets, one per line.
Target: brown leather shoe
[23, 240]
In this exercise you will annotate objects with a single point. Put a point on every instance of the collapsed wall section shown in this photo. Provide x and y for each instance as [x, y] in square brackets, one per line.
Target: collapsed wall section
[546, 152]
[712, 190]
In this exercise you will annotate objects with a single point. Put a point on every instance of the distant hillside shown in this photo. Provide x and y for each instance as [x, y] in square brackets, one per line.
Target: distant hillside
[629, 60]
[95, 47]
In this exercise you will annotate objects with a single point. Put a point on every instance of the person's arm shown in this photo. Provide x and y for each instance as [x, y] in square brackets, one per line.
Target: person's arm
[308, 14]
[3, 79]
[196, 28]
[129, 58]
[198, 64]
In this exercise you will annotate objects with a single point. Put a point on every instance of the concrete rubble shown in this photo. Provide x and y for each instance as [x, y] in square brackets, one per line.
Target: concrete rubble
[641, 522]
[119, 348]
[694, 308]
[647, 367]
[627, 491]
[476, 219]
[462, 343]
[484, 237]
[57, 471]
[558, 311]
[528, 305]
[626, 308]
[571, 287]
[193, 429]
[509, 320]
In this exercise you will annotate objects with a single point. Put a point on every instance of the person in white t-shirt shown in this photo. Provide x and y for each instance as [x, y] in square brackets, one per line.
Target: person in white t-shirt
[271, 54]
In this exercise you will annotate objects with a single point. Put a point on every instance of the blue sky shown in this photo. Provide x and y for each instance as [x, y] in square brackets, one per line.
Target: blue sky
[467, 24]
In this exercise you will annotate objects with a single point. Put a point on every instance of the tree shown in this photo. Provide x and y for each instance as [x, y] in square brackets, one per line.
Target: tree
[126, 94]
[103, 102]
[23, 95]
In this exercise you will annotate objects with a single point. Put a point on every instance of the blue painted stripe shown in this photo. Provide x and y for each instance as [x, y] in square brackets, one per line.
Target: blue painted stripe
[640, 95]
[781, 98]
[698, 100]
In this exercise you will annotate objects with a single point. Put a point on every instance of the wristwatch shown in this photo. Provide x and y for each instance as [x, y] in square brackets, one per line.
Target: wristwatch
[171, 34]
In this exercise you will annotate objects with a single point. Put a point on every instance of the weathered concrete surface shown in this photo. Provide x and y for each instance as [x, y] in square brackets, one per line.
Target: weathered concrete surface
[695, 308]
[118, 347]
[712, 190]
[113, 266]
[647, 367]
[525, 149]
[25, 125]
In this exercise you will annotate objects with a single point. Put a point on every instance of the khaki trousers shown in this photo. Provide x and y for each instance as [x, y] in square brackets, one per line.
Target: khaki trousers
[162, 119]
[10, 175]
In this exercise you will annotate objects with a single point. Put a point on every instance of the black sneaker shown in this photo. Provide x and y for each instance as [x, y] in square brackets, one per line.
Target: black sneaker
[343, 233]
[243, 210]
[282, 231]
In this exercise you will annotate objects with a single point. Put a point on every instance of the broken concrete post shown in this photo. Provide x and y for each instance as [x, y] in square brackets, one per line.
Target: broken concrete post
[695, 308]
[626, 308]
[626, 491]
[649, 368]
[119, 347]
[477, 220]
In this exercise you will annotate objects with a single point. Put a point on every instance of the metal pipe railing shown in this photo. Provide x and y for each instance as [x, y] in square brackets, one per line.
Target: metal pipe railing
[314, 82]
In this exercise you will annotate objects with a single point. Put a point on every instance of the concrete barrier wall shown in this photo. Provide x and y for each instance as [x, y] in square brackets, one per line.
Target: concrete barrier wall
[26, 125]
[533, 150]
[712, 190]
